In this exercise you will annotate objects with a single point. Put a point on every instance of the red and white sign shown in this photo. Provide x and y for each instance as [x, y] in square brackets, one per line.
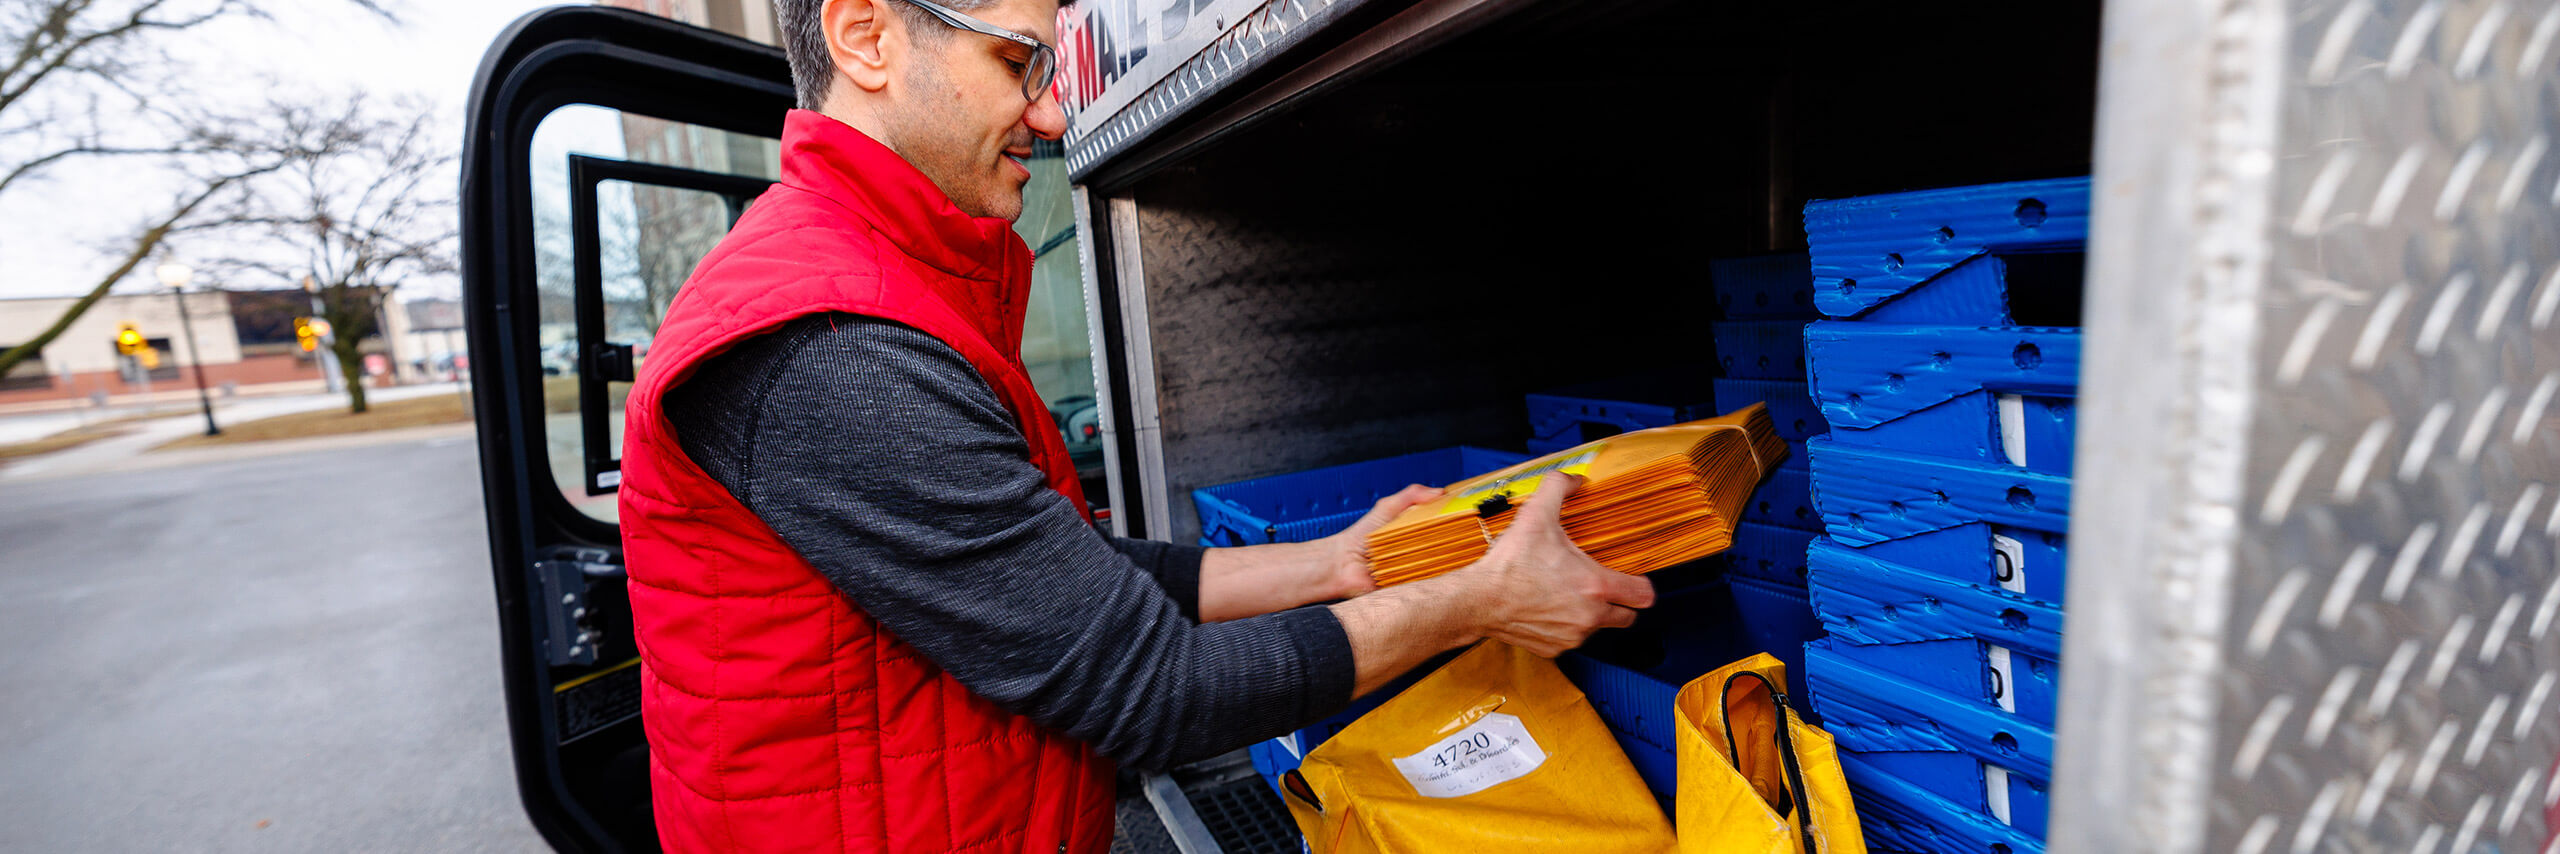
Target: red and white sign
[1111, 51]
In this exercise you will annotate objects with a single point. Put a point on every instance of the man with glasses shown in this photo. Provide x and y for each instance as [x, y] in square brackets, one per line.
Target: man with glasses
[872, 609]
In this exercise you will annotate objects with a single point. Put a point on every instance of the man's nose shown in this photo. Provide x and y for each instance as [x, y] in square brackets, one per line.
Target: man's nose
[1046, 118]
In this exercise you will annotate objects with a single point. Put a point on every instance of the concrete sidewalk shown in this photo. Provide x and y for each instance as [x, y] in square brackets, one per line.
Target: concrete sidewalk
[126, 452]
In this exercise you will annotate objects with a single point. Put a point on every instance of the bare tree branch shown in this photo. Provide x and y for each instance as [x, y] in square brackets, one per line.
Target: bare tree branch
[68, 66]
[357, 202]
[142, 248]
[38, 163]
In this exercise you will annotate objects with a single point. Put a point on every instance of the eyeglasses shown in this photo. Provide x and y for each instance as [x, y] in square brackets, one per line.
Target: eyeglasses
[1036, 76]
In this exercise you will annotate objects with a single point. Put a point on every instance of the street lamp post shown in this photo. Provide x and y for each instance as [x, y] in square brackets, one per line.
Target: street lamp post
[176, 277]
[326, 355]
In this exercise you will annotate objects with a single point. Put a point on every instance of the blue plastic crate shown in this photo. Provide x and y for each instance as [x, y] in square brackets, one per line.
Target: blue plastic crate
[1696, 631]
[1543, 447]
[1989, 650]
[1308, 505]
[1791, 406]
[1561, 418]
[1874, 711]
[1871, 249]
[1867, 599]
[1969, 786]
[1769, 553]
[1785, 500]
[1994, 395]
[1277, 756]
[2033, 289]
[1699, 628]
[1776, 619]
[1759, 349]
[1895, 814]
[1764, 287]
[2032, 564]
[1867, 496]
[1637, 709]
[2014, 681]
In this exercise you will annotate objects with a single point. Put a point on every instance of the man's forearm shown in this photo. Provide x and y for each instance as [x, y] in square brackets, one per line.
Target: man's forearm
[1395, 630]
[1247, 581]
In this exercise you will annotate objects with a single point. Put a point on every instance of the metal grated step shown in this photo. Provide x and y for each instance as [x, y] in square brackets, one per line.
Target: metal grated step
[1245, 816]
[1140, 832]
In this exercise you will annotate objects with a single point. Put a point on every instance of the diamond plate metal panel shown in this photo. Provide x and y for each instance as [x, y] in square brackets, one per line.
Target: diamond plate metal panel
[1280, 350]
[2324, 289]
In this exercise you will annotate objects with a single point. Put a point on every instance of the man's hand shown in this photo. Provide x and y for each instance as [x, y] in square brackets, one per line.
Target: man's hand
[1546, 595]
[1236, 583]
[1535, 590]
[1345, 558]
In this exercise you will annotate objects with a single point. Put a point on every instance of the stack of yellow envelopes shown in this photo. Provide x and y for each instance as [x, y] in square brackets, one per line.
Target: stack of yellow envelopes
[1651, 499]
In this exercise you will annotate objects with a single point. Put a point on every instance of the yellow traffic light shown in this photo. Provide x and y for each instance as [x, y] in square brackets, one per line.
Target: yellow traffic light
[149, 357]
[304, 334]
[129, 340]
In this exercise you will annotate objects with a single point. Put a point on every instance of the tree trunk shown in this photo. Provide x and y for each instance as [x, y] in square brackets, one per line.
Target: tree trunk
[142, 247]
[351, 368]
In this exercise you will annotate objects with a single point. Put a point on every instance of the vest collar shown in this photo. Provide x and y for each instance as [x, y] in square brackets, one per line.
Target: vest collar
[846, 166]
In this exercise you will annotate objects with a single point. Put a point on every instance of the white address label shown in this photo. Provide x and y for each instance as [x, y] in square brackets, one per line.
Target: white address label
[2013, 428]
[1995, 792]
[2009, 563]
[2003, 679]
[1486, 754]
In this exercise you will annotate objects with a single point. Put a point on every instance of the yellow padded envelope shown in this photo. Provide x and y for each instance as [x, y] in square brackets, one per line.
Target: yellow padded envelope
[1650, 499]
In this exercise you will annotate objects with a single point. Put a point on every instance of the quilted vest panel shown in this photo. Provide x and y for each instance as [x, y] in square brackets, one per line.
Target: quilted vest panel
[779, 716]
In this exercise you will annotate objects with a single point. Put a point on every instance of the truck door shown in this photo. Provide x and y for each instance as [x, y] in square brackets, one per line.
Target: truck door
[606, 152]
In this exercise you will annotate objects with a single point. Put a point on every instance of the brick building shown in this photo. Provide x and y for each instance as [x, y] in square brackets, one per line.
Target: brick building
[244, 337]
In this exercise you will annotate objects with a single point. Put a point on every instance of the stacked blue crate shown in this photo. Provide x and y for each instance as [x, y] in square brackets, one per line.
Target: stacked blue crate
[1943, 489]
[1313, 504]
[1753, 597]
[1759, 348]
[1561, 418]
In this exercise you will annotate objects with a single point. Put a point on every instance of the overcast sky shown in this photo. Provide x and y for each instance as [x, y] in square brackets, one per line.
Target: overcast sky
[51, 242]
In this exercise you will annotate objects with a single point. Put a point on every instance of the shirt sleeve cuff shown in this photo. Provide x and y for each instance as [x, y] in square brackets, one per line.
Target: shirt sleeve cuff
[1176, 568]
[1324, 655]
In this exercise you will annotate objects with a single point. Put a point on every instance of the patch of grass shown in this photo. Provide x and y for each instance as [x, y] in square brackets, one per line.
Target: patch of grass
[65, 440]
[155, 414]
[560, 395]
[391, 415]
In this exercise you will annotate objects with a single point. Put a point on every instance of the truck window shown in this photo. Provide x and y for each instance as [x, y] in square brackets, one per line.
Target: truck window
[1056, 349]
[648, 238]
[647, 241]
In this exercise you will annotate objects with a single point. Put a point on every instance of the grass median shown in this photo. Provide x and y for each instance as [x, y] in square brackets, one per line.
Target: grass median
[425, 411]
[63, 441]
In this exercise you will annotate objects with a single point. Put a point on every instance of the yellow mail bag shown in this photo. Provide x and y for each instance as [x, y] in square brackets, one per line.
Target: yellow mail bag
[1496, 751]
[1754, 777]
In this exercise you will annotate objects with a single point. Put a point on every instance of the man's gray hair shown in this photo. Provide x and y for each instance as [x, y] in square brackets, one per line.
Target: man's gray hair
[804, 40]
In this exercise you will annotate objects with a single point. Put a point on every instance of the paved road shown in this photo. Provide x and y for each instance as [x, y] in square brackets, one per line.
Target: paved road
[303, 639]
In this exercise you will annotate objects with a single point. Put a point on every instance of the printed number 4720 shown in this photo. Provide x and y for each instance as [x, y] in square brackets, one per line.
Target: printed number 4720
[1462, 750]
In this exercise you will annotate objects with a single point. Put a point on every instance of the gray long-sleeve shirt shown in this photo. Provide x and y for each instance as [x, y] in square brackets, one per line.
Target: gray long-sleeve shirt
[881, 456]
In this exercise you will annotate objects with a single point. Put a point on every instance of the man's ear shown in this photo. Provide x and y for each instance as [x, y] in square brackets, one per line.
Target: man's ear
[864, 38]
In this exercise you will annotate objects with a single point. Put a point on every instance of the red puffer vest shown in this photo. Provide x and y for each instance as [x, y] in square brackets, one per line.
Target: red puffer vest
[779, 716]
